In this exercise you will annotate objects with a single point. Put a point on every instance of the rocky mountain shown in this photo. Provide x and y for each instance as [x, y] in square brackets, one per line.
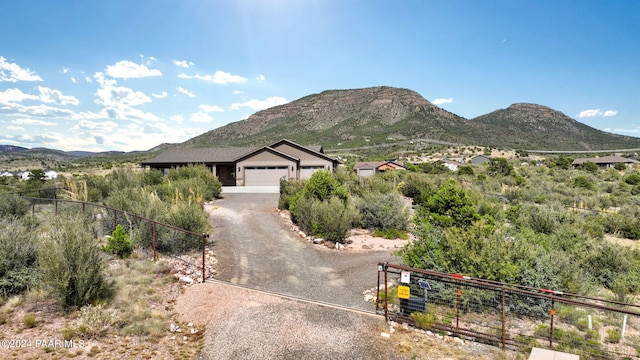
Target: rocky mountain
[378, 115]
[531, 126]
[343, 118]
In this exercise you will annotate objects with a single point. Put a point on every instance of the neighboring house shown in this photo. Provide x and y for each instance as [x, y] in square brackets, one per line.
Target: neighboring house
[24, 175]
[452, 164]
[368, 168]
[249, 166]
[6, 174]
[480, 159]
[605, 161]
[50, 175]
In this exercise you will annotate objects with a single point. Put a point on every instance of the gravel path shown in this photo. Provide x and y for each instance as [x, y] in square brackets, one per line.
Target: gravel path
[257, 250]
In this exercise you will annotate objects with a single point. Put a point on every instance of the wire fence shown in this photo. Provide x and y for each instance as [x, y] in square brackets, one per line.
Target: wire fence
[511, 316]
[148, 234]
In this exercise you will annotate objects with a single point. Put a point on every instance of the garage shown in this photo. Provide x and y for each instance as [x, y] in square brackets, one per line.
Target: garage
[264, 175]
[307, 171]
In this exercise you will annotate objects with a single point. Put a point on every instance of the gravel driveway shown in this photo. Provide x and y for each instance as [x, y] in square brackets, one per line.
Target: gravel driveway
[257, 249]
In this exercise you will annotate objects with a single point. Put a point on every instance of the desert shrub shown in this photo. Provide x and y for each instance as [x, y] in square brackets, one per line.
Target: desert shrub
[583, 182]
[152, 177]
[188, 217]
[391, 234]
[195, 178]
[383, 211]
[119, 243]
[18, 258]
[588, 166]
[620, 166]
[321, 186]
[433, 168]
[330, 219]
[499, 166]
[29, 320]
[72, 263]
[122, 177]
[288, 188]
[520, 180]
[466, 170]
[632, 179]
[13, 206]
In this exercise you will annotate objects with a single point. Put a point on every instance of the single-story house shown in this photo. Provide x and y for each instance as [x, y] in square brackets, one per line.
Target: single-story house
[368, 168]
[605, 161]
[249, 166]
[50, 175]
[6, 174]
[480, 159]
[452, 164]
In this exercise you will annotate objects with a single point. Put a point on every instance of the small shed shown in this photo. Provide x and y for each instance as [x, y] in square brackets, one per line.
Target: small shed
[368, 168]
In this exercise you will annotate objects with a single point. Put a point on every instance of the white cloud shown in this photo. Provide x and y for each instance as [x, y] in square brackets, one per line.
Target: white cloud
[609, 113]
[117, 96]
[589, 113]
[177, 118]
[161, 95]
[210, 108]
[183, 63]
[185, 76]
[260, 77]
[15, 95]
[126, 69]
[74, 80]
[442, 101]
[182, 90]
[221, 77]
[14, 73]
[88, 79]
[258, 105]
[201, 117]
[65, 70]
[16, 128]
[51, 96]
[32, 122]
[236, 92]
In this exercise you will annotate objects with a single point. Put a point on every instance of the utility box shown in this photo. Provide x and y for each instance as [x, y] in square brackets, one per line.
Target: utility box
[411, 305]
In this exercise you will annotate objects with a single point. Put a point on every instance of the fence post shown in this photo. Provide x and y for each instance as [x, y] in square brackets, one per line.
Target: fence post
[378, 289]
[55, 202]
[504, 321]
[552, 312]
[458, 305]
[386, 293]
[153, 241]
[115, 219]
[204, 241]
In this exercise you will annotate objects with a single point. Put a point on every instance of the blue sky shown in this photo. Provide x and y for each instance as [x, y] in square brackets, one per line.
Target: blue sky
[129, 75]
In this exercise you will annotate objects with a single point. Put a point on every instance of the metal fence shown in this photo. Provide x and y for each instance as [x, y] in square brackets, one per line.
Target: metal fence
[149, 234]
[511, 316]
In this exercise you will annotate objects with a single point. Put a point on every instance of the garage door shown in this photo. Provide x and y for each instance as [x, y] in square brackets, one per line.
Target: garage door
[307, 171]
[366, 172]
[264, 175]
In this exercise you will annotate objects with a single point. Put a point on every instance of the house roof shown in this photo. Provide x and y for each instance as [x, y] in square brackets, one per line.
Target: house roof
[605, 160]
[223, 155]
[376, 164]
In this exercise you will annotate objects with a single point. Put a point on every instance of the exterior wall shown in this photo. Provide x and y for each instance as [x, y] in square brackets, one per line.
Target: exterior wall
[306, 158]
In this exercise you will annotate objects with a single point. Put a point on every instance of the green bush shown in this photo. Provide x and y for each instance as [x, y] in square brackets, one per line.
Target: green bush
[188, 217]
[197, 178]
[466, 170]
[18, 258]
[588, 166]
[119, 243]
[383, 211]
[620, 166]
[13, 206]
[451, 205]
[330, 219]
[72, 263]
[391, 234]
[499, 166]
[632, 179]
[583, 182]
[321, 186]
[288, 189]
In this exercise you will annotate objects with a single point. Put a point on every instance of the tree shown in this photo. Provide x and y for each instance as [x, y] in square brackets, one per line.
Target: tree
[500, 166]
[589, 166]
[451, 206]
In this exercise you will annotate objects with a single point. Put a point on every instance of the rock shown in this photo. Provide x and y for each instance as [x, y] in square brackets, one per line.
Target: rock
[458, 340]
[329, 244]
[302, 234]
[173, 327]
[190, 324]
[385, 335]
[339, 246]
[186, 279]
[193, 331]
[366, 247]
[429, 333]
[318, 241]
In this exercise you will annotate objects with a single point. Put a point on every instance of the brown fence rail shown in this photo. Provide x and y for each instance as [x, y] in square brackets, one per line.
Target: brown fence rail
[510, 316]
[149, 234]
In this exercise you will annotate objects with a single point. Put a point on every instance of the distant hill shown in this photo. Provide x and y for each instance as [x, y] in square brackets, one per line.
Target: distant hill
[5, 149]
[378, 115]
[531, 126]
[343, 118]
